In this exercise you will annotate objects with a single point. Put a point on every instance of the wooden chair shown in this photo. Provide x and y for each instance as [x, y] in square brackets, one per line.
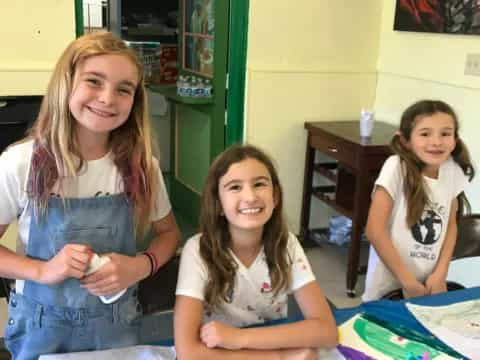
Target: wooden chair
[468, 237]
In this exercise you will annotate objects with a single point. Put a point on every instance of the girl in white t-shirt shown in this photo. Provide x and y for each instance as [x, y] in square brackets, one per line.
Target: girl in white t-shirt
[84, 182]
[412, 223]
[239, 270]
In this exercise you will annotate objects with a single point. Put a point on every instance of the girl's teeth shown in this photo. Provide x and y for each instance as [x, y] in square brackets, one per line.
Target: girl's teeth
[250, 211]
[99, 112]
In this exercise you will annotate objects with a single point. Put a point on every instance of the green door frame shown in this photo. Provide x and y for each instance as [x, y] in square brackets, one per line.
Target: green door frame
[237, 60]
[79, 17]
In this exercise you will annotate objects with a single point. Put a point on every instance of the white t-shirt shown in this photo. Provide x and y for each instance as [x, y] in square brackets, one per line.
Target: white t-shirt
[418, 246]
[252, 301]
[98, 178]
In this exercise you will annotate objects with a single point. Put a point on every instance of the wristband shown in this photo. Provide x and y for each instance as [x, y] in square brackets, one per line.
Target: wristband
[152, 266]
[154, 261]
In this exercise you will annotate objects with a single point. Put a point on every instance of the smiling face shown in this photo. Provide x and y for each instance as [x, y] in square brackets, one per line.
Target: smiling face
[103, 92]
[432, 140]
[247, 196]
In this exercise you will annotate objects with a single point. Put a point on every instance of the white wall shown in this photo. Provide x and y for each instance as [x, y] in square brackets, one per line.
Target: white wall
[412, 66]
[33, 34]
[309, 60]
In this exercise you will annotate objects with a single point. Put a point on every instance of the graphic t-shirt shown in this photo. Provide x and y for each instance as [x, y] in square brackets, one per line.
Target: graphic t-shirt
[419, 245]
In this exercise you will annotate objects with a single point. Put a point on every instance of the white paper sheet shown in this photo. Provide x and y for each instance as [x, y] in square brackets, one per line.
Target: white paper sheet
[457, 325]
[141, 352]
[380, 343]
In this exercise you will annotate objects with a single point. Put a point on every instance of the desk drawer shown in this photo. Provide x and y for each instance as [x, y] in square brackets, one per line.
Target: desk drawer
[335, 148]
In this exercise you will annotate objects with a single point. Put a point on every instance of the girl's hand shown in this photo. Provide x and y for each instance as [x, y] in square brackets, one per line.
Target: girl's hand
[118, 274]
[70, 262]
[299, 354]
[414, 289]
[436, 284]
[217, 334]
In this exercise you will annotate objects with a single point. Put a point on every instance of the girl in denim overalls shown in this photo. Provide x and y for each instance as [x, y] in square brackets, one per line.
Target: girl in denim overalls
[83, 182]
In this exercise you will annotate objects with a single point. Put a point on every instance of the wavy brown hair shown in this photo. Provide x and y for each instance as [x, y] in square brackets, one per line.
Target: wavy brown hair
[215, 238]
[56, 154]
[414, 188]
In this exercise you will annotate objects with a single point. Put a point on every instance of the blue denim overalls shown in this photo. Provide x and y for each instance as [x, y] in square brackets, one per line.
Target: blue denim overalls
[65, 317]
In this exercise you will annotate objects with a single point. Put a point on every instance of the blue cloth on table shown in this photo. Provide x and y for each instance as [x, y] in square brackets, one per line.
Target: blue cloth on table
[396, 312]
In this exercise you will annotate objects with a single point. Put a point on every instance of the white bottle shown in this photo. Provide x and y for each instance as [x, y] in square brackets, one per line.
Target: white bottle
[188, 86]
[200, 89]
[180, 85]
[208, 88]
[194, 87]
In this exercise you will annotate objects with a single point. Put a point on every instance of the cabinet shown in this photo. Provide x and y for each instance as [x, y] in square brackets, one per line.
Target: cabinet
[356, 162]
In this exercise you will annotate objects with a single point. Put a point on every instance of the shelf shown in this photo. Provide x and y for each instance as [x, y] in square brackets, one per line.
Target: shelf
[327, 170]
[170, 92]
[327, 195]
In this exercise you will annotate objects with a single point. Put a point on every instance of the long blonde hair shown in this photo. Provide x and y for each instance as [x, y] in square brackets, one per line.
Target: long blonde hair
[55, 146]
[215, 238]
[415, 192]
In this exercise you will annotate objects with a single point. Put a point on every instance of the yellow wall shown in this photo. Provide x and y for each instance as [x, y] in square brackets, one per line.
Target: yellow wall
[33, 35]
[413, 66]
[310, 60]
[9, 239]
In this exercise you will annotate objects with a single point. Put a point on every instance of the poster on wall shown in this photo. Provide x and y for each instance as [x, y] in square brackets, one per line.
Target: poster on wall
[438, 16]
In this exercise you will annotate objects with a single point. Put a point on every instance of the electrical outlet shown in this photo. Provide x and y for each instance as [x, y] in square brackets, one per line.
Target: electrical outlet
[472, 65]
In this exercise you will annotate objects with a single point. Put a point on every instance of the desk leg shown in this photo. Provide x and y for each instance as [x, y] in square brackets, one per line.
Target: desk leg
[353, 258]
[360, 212]
[307, 190]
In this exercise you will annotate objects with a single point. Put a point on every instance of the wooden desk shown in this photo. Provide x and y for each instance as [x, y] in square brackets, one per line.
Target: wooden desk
[357, 162]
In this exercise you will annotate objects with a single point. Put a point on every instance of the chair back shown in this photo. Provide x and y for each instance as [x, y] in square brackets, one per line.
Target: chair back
[468, 237]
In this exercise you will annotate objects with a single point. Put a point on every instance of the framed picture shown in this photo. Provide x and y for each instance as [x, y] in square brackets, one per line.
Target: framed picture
[198, 36]
[438, 16]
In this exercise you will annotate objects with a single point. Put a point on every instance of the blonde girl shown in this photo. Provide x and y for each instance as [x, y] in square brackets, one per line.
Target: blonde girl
[84, 181]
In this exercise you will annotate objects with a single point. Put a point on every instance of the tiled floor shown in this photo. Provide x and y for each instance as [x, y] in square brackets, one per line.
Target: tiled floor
[329, 263]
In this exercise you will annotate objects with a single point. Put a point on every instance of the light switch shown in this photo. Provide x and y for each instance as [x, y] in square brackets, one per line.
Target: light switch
[472, 65]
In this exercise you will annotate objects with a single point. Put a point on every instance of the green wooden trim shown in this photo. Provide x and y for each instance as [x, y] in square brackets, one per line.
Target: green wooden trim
[217, 129]
[79, 17]
[186, 201]
[237, 70]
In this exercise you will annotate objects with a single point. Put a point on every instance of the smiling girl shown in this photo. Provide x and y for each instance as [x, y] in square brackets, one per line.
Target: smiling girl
[412, 223]
[83, 182]
[240, 268]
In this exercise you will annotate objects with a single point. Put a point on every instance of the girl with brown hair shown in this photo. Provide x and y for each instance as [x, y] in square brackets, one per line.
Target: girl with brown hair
[240, 268]
[412, 223]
